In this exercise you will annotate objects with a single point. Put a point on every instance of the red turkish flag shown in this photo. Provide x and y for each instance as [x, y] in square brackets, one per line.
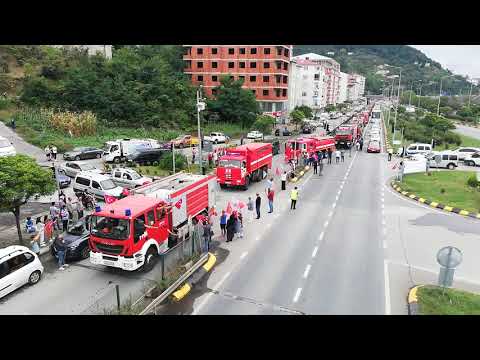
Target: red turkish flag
[178, 204]
[241, 204]
[109, 199]
[277, 172]
[229, 209]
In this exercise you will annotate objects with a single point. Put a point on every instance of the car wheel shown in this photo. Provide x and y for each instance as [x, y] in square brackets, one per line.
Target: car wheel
[451, 166]
[85, 252]
[34, 277]
[215, 142]
[77, 158]
[150, 260]
[471, 163]
[98, 156]
[116, 160]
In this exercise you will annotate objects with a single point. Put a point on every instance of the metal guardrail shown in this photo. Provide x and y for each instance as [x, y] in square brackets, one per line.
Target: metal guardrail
[164, 295]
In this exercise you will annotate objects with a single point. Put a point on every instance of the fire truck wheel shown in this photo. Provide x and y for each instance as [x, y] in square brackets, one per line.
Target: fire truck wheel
[150, 259]
[247, 183]
[223, 186]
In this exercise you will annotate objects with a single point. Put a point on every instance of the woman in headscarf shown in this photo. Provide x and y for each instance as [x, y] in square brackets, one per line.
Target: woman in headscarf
[231, 227]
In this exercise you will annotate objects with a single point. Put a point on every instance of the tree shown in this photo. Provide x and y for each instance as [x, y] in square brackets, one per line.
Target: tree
[234, 104]
[264, 124]
[297, 117]
[21, 179]
[306, 110]
[330, 108]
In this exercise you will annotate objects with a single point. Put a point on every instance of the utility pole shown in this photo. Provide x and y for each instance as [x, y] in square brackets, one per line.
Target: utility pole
[420, 95]
[470, 95]
[398, 103]
[439, 97]
[410, 99]
[200, 107]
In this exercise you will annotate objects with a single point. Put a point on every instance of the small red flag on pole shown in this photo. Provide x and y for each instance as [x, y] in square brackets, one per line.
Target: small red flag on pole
[229, 209]
[277, 172]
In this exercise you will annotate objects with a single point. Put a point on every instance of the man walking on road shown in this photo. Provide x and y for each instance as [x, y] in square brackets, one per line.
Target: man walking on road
[258, 203]
[284, 180]
[270, 200]
[315, 165]
[250, 209]
[269, 185]
[48, 152]
[223, 223]
[293, 198]
[54, 152]
[329, 156]
[342, 154]
[54, 213]
[320, 165]
[390, 152]
[61, 248]
[337, 156]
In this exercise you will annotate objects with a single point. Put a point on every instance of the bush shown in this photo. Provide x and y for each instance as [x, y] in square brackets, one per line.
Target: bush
[264, 124]
[472, 181]
[166, 163]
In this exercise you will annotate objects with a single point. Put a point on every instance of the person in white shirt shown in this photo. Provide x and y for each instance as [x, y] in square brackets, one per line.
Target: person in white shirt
[283, 177]
[337, 156]
[54, 152]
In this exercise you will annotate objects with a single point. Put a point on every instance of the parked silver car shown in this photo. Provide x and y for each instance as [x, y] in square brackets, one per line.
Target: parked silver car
[73, 168]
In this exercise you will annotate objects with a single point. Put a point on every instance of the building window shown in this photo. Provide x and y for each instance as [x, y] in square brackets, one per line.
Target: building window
[286, 52]
[253, 51]
[242, 51]
[199, 51]
[266, 65]
[265, 92]
[266, 78]
[277, 92]
[231, 65]
[285, 79]
[304, 93]
[285, 66]
[200, 64]
[266, 51]
[231, 51]
[214, 92]
[242, 65]
[241, 77]
[279, 64]
[232, 77]
[253, 65]
[214, 78]
[279, 51]
[253, 78]
[317, 77]
[254, 92]
[214, 51]
[200, 77]
[214, 64]
[278, 78]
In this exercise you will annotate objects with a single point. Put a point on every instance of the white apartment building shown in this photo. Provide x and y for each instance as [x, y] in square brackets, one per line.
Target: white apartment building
[105, 50]
[343, 87]
[307, 85]
[356, 87]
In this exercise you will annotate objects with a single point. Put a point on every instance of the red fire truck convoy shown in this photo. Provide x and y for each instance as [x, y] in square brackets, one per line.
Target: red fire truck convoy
[131, 232]
[345, 135]
[244, 164]
[294, 148]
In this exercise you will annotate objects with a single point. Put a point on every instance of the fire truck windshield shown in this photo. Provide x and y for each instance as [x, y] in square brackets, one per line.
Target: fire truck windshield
[230, 163]
[110, 228]
[344, 132]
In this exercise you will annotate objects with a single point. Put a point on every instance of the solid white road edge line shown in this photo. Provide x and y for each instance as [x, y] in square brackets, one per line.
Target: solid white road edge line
[307, 270]
[216, 287]
[325, 224]
[334, 205]
[297, 295]
[320, 238]
[243, 255]
[314, 253]
[387, 288]
[384, 244]
[330, 214]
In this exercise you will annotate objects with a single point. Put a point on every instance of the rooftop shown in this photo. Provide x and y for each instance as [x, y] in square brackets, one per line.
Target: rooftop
[135, 203]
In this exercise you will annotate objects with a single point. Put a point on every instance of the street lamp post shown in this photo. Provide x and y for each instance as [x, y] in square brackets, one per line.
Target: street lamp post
[200, 107]
[396, 107]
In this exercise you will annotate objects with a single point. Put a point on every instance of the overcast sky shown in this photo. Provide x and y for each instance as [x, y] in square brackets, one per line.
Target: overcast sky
[460, 59]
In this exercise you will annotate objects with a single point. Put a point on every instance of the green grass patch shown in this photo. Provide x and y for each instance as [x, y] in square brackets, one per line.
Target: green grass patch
[432, 301]
[466, 141]
[456, 192]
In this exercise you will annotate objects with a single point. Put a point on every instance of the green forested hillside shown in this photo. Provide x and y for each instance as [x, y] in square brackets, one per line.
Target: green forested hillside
[366, 59]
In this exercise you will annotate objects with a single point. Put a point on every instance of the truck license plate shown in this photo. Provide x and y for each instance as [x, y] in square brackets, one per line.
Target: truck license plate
[108, 263]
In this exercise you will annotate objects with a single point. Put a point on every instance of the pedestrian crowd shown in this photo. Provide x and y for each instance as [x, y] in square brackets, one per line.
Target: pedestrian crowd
[51, 152]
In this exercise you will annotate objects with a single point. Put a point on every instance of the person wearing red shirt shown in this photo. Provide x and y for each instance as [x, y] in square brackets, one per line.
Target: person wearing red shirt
[270, 200]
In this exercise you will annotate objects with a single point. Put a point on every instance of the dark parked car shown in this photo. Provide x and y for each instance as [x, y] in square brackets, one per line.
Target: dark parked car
[83, 153]
[63, 180]
[76, 241]
[143, 156]
[283, 132]
[307, 130]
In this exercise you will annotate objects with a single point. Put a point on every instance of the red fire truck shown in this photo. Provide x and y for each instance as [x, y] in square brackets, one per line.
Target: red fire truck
[345, 135]
[131, 232]
[244, 164]
[294, 148]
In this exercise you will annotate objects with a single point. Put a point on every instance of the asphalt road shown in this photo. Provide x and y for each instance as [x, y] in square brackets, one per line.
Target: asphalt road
[468, 131]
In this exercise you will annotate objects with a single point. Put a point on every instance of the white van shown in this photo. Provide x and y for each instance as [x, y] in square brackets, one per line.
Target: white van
[6, 147]
[418, 149]
[449, 159]
[18, 266]
[97, 184]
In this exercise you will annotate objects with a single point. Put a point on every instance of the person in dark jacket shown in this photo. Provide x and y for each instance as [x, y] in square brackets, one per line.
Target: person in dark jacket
[61, 250]
[230, 228]
[207, 234]
[258, 203]
[329, 156]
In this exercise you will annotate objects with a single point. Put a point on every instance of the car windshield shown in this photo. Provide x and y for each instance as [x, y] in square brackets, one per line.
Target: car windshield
[230, 163]
[79, 149]
[77, 230]
[110, 228]
[106, 148]
[134, 175]
[4, 143]
[86, 167]
[107, 184]
[344, 132]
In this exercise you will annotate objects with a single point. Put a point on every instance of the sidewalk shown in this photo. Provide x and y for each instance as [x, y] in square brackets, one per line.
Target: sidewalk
[20, 145]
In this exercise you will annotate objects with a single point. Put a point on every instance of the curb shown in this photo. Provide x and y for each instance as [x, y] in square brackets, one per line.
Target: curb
[412, 301]
[434, 204]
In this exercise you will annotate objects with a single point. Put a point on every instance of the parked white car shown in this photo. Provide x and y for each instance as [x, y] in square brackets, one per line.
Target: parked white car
[418, 149]
[473, 159]
[255, 135]
[98, 184]
[18, 266]
[216, 137]
[463, 152]
[449, 159]
[72, 168]
[128, 178]
[6, 147]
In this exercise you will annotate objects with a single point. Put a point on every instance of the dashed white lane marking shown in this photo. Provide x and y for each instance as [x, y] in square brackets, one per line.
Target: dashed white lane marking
[314, 253]
[387, 287]
[307, 270]
[257, 238]
[216, 287]
[336, 198]
[245, 253]
[330, 214]
[297, 295]
[334, 205]
[339, 192]
[325, 224]
[384, 232]
[383, 222]
[384, 244]
[320, 238]
[383, 206]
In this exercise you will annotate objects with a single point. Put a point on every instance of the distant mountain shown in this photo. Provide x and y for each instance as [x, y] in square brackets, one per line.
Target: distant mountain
[370, 61]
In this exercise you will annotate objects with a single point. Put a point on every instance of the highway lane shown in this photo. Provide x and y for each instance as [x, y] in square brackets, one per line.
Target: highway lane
[468, 131]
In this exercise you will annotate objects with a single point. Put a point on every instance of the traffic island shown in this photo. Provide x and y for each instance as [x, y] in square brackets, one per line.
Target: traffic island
[435, 300]
[441, 188]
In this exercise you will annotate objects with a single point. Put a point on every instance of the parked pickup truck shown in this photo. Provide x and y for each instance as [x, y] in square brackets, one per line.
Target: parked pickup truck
[128, 178]
[217, 137]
